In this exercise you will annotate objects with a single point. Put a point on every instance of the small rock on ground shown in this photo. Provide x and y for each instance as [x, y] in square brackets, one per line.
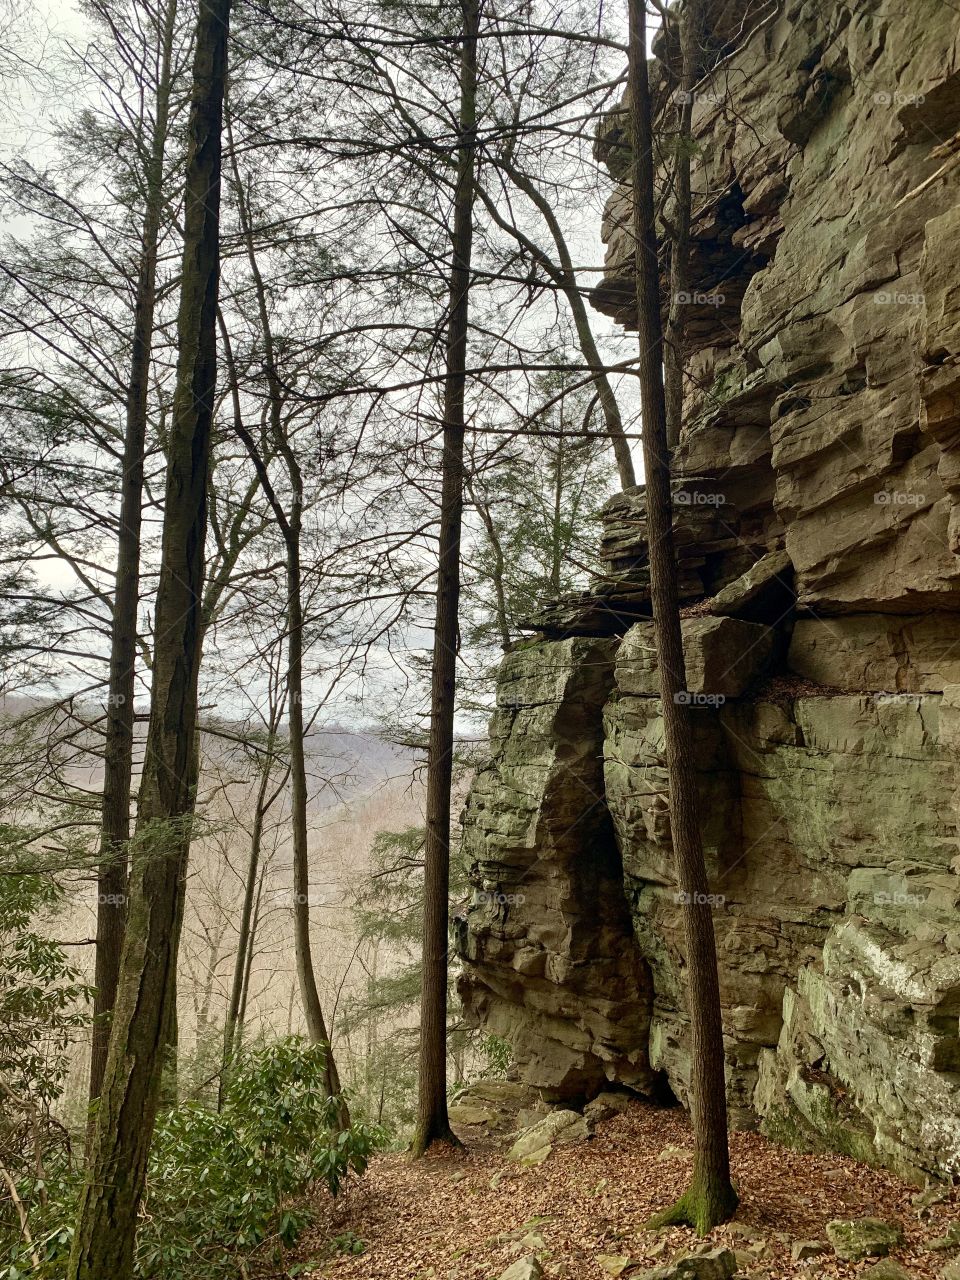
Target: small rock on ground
[605, 1106]
[856, 1238]
[800, 1250]
[887, 1269]
[535, 1144]
[712, 1264]
[949, 1240]
[523, 1269]
[614, 1263]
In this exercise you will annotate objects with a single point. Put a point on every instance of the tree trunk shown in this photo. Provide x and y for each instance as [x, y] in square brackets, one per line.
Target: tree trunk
[104, 1241]
[290, 523]
[118, 739]
[498, 571]
[245, 939]
[312, 1008]
[433, 1123]
[710, 1198]
[248, 967]
[673, 356]
[556, 552]
[565, 277]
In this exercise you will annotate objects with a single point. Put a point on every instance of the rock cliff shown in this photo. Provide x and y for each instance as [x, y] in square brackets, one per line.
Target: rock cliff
[817, 513]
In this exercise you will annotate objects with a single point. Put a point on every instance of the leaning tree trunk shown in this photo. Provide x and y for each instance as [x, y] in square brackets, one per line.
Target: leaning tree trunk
[566, 278]
[433, 1123]
[104, 1240]
[118, 738]
[710, 1198]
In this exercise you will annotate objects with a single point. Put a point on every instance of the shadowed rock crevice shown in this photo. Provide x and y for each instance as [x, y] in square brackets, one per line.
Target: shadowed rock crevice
[550, 957]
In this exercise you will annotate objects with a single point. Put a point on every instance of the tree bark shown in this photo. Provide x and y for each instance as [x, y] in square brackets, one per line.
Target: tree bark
[673, 356]
[433, 1123]
[710, 1198]
[104, 1241]
[118, 738]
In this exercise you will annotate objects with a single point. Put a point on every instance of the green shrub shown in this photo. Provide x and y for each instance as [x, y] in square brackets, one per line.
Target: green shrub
[228, 1185]
[224, 1183]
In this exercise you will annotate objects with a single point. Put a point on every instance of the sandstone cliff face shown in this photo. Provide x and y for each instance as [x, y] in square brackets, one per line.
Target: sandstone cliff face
[817, 511]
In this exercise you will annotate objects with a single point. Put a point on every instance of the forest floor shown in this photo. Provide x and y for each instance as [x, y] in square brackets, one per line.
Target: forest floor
[441, 1217]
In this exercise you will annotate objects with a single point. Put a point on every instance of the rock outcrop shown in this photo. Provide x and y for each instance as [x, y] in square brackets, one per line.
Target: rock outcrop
[817, 516]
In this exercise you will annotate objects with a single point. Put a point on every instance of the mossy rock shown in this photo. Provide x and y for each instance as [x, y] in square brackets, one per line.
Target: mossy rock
[856, 1238]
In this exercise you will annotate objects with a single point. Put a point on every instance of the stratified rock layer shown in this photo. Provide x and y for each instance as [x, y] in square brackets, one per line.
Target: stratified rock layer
[552, 961]
[816, 502]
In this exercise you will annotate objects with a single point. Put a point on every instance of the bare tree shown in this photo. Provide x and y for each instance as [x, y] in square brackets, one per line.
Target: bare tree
[432, 1121]
[710, 1198]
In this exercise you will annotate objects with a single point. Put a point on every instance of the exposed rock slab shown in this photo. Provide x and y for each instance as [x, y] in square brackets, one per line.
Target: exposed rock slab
[722, 656]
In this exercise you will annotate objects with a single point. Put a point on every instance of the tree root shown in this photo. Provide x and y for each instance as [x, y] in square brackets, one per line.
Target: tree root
[702, 1208]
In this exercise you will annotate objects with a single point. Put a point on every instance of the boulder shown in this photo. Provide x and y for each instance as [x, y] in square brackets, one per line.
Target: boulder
[721, 656]
[856, 1238]
[464, 1113]
[523, 1269]
[558, 1128]
[605, 1106]
[887, 1269]
[763, 593]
